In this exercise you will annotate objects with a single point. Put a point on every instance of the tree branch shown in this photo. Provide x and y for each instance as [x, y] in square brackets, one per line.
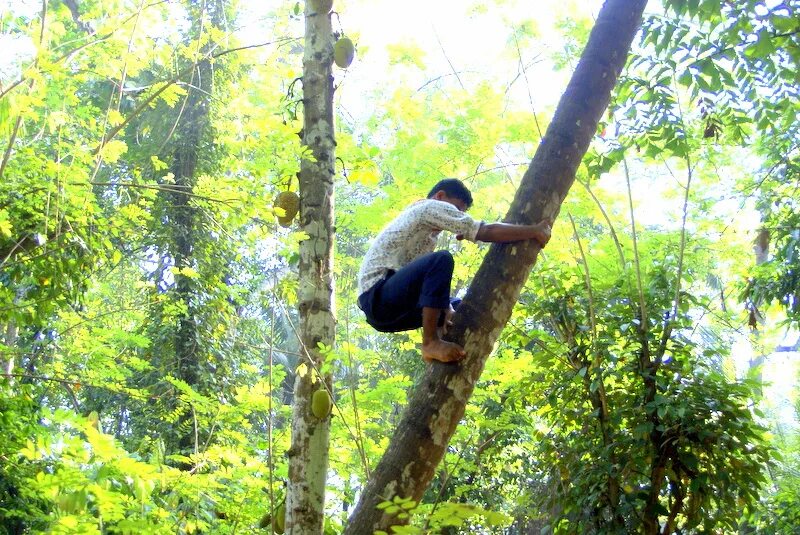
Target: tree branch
[64, 382]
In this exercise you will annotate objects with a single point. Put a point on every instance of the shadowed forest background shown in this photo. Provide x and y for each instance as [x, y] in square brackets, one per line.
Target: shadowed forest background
[151, 333]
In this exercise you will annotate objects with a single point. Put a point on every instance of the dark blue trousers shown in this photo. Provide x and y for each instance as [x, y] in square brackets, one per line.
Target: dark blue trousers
[395, 303]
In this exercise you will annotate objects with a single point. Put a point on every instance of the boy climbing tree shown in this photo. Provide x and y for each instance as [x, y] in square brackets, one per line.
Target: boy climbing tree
[437, 403]
[403, 284]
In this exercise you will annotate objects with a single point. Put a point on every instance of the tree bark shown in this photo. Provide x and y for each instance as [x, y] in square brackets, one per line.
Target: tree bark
[10, 341]
[184, 237]
[438, 401]
[756, 319]
[308, 454]
[189, 158]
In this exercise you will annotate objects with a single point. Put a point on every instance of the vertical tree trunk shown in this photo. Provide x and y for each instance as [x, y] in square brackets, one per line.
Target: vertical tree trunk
[437, 403]
[183, 227]
[9, 341]
[308, 454]
[761, 251]
[193, 137]
[756, 319]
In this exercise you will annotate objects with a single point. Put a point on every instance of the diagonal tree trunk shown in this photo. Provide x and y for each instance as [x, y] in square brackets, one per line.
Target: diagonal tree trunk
[438, 401]
[308, 454]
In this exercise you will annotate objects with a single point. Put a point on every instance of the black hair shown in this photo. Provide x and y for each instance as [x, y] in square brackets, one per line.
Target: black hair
[454, 188]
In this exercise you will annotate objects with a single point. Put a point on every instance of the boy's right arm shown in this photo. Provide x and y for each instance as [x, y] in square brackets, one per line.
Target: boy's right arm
[509, 232]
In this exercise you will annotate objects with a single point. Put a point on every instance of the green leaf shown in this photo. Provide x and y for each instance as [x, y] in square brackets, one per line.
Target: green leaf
[113, 150]
[158, 165]
[5, 225]
[762, 47]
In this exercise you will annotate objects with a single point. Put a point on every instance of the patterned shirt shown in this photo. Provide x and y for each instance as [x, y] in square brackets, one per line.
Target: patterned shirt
[412, 234]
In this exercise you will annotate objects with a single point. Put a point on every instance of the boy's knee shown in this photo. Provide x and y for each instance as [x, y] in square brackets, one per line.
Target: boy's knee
[441, 264]
[444, 258]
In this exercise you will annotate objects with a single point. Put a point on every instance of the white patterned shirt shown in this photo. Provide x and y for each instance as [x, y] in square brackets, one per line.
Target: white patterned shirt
[411, 234]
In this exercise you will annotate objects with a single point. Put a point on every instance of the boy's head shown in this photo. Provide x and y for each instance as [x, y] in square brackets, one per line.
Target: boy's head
[454, 189]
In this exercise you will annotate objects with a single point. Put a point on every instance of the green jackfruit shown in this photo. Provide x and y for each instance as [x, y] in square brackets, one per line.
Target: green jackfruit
[290, 202]
[321, 404]
[343, 52]
[279, 524]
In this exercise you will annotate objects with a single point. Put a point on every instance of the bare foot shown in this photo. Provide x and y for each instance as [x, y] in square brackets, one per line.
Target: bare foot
[442, 351]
